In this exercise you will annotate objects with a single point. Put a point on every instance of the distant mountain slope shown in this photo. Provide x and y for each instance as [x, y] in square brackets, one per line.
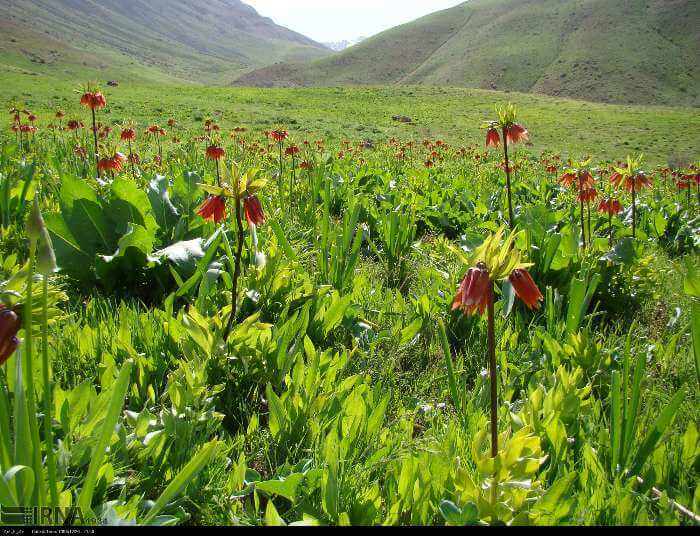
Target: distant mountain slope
[345, 43]
[210, 41]
[626, 51]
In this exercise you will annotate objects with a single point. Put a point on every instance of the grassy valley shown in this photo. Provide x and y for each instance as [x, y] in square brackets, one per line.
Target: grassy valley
[632, 51]
[573, 127]
[386, 299]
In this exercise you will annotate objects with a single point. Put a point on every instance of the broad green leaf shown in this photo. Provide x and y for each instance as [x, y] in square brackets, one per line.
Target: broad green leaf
[624, 252]
[184, 255]
[185, 189]
[451, 512]
[691, 283]
[136, 237]
[409, 332]
[556, 504]
[130, 204]
[329, 491]
[695, 329]
[23, 439]
[581, 293]
[286, 487]
[335, 313]
[277, 415]
[165, 213]
[71, 258]
[272, 517]
[85, 217]
[211, 247]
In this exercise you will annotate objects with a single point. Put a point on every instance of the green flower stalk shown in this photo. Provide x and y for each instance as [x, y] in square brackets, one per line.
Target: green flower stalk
[35, 224]
[242, 194]
[631, 177]
[46, 266]
[513, 133]
[496, 259]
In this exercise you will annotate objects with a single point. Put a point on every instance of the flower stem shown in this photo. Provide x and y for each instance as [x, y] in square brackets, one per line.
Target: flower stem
[583, 217]
[493, 372]
[131, 159]
[634, 211]
[590, 234]
[94, 134]
[291, 184]
[237, 269]
[511, 223]
[279, 180]
[48, 397]
[38, 492]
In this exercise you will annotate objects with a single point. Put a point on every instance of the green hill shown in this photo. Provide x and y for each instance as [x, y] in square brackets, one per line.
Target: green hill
[623, 51]
[150, 40]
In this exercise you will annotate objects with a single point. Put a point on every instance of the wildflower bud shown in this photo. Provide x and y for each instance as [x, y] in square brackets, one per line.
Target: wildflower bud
[46, 258]
[254, 236]
[35, 222]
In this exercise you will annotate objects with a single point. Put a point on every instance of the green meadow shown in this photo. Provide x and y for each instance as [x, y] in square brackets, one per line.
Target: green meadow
[574, 128]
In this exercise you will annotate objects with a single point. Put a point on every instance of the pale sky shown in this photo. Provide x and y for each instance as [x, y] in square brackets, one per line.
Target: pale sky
[336, 20]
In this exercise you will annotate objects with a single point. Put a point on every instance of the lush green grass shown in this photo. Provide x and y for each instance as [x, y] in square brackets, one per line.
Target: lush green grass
[638, 51]
[575, 128]
[331, 402]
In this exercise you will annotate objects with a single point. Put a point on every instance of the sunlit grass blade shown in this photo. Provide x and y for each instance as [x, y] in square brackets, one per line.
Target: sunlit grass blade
[282, 240]
[181, 480]
[451, 378]
[657, 431]
[24, 446]
[107, 429]
[615, 420]
[695, 328]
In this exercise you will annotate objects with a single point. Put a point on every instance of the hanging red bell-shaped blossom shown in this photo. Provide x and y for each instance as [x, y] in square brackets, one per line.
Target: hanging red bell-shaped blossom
[526, 288]
[610, 207]
[94, 100]
[215, 153]
[493, 138]
[279, 135]
[128, 134]
[253, 210]
[473, 292]
[517, 134]
[214, 209]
